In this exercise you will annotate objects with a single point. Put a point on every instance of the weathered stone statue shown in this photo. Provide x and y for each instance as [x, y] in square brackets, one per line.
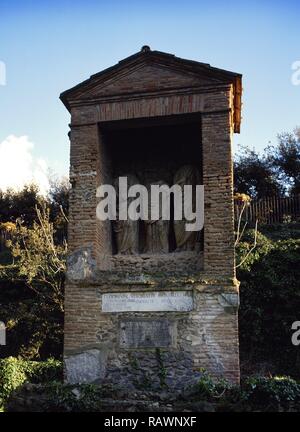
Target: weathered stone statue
[157, 231]
[127, 231]
[186, 240]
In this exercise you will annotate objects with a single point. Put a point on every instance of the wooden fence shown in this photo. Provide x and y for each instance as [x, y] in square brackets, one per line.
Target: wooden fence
[270, 210]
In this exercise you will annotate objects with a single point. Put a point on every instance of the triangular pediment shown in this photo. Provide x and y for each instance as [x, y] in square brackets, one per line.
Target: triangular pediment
[146, 78]
[149, 72]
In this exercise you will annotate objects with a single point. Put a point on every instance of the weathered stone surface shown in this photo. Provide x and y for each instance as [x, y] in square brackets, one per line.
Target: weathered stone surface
[147, 333]
[80, 265]
[149, 301]
[174, 262]
[86, 367]
[230, 302]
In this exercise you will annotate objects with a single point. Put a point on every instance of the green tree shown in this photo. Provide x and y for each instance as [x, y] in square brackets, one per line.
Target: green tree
[254, 174]
[38, 260]
[20, 204]
[285, 159]
[59, 207]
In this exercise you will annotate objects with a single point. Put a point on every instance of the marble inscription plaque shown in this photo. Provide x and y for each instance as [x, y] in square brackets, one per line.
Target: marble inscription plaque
[154, 301]
[147, 333]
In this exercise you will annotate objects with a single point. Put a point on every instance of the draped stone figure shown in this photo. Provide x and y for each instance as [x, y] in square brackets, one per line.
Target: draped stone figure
[127, 231]
[186, 240]
[157, 231]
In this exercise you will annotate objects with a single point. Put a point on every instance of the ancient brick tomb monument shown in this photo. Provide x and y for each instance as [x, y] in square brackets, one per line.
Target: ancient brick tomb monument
[147, 303]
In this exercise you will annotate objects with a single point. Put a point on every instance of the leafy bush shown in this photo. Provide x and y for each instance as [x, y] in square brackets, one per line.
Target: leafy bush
[271, 392]
[31, 291]
[208, 388]
[39, 261]
[84, 397]
[12, 375]
[255, 393]
[55, 396]
[270, 303]
[281, 231]
[15, 372]
[263, 246]
[34, 326]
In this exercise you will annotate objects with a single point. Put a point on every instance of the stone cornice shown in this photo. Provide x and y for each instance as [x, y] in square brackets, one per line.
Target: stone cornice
[215, 88]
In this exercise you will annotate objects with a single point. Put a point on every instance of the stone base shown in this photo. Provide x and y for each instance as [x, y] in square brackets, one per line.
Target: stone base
[151, 350]
[37, 398]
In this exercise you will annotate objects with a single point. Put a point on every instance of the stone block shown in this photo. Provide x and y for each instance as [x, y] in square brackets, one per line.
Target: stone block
[137, 333]
[85, 367]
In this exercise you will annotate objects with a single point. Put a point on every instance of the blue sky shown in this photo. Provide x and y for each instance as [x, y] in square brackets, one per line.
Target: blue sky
[49, 46]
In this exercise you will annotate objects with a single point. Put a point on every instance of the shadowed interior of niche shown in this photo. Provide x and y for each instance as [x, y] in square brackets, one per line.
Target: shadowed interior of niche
[153, 150]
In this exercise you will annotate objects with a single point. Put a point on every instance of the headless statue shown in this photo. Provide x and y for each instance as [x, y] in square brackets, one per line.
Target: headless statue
[127, 231]
[157, 231]
[186, 240]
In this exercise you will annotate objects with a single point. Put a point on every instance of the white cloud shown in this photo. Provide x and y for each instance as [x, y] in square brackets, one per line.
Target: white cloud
[18, 166]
